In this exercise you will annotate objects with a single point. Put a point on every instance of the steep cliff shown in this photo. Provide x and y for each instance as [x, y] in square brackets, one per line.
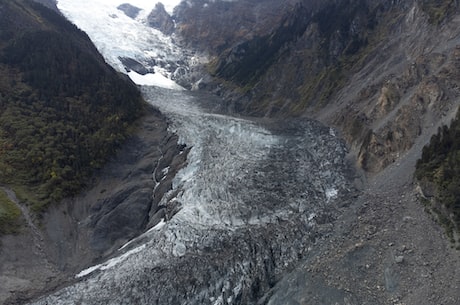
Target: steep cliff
[161, 20]
[365, 67]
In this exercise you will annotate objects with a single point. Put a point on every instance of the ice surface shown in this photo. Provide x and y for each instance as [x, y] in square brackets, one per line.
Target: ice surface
[248, 202]
[331, 193]
[116, 35]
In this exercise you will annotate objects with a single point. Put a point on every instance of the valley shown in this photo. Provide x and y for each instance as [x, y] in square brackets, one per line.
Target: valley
[273, 162]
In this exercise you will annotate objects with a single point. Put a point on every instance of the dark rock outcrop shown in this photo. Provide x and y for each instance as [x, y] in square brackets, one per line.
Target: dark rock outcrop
[51, 4]
[159, 19]
[134, 65]
[247, 61]
[215, 26]
[129, 10]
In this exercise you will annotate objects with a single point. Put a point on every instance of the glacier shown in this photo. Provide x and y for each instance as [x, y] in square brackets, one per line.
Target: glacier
[250, 203]
[118, 36]
[253, 200]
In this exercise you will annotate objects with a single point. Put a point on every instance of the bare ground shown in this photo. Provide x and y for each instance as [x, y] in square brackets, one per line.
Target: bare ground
[386, 249]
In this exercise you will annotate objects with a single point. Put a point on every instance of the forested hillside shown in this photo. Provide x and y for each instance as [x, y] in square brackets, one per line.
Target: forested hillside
[63, 111]
[439, 173]
[385, 73]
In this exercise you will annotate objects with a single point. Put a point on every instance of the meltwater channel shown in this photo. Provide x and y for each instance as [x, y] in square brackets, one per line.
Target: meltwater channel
[251, 203]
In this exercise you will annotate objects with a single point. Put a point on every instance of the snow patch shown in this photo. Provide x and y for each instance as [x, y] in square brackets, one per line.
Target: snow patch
[111, 262]
[158, 226]
[153, 79]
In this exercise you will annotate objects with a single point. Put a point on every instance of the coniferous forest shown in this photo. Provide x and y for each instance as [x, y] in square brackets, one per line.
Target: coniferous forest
[63, 110]
[439, 170]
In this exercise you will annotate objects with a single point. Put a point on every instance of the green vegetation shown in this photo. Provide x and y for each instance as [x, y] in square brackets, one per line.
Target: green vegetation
[321, 88]
[437, 10]
[63, 111]
[439, 167]
[9, 215]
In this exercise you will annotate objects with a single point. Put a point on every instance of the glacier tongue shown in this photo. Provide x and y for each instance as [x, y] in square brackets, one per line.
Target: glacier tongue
[248, 206]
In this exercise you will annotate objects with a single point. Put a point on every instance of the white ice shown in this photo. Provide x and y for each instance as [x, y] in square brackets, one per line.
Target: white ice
[111, 262]
[153, 79]
[147, 5]
[116, 35]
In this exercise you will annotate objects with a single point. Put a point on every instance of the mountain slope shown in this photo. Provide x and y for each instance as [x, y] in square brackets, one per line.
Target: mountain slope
[357, 65]
[386, 75]
[63, 110]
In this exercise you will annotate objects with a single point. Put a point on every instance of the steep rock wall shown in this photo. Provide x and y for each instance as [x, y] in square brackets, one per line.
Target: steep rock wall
[382, 72]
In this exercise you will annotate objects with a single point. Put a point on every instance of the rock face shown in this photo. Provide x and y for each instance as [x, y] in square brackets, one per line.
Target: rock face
[130, 10]
[210, 25]
[161, 20]
[49, 4]
[134, 65]
[119, 206]
[380, 72]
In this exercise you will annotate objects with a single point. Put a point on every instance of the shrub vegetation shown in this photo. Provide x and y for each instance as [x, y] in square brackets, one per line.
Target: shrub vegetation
[9, 215]
[439, 168]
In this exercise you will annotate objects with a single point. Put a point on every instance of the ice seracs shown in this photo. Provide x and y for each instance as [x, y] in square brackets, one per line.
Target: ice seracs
[119, 36]
[243, 210]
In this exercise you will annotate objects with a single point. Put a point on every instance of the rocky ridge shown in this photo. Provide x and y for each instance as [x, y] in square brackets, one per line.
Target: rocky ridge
[384, 74]
[161, 20]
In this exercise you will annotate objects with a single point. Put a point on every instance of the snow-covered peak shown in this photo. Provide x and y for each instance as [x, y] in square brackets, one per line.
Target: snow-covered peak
[146, 5]
[118, 36]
